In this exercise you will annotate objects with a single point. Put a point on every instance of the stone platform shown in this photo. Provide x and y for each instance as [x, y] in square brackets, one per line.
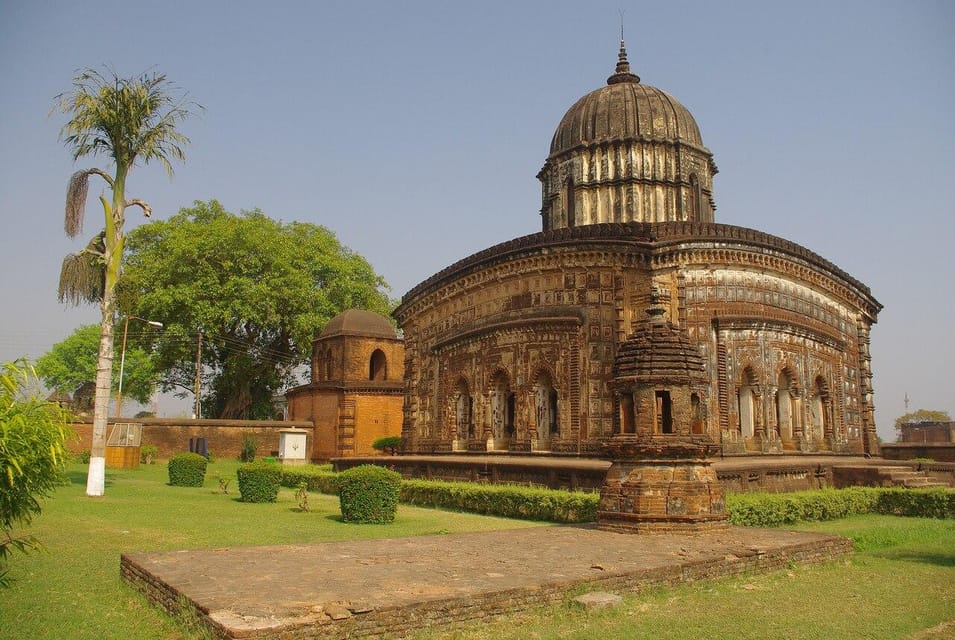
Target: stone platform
[371, 587]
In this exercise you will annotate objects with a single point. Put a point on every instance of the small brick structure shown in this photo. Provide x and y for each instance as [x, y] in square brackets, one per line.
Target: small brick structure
[356, 389]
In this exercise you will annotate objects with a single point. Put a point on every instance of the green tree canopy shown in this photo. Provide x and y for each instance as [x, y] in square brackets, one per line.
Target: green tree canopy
[920, 415]
[259, 290]
[33, 453]
[72, 362]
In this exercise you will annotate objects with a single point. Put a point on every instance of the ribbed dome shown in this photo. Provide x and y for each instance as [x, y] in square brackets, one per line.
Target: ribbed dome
[658, 353]
[358, 322]
[623, 110]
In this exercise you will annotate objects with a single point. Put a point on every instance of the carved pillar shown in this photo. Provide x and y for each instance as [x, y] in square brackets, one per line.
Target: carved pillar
[870, 440]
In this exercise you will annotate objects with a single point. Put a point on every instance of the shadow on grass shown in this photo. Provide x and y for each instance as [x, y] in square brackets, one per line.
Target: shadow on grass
[79, 476]
[938, 559]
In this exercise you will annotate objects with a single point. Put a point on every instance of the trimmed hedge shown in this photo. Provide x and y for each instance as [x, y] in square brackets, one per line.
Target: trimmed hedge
[368, 494]
[507, 501]
[775, 509]
[187, 470]
[316, 479]
[919, 503]
[259, 481]
[551, 505]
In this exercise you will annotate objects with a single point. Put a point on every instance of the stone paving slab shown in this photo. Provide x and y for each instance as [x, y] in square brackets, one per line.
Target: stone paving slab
[370, 587]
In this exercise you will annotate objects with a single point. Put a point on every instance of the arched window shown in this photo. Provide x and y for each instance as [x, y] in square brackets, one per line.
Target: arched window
[328, 364]
[627, 416]
[378, 366]
[696, 414]
[664, 412]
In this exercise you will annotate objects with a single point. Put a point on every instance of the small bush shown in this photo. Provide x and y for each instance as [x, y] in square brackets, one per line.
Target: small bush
[147, 453]
[259, 481]
[85, 456]
[187, 470]
[369, 494]
[249, 448]
[388, 444]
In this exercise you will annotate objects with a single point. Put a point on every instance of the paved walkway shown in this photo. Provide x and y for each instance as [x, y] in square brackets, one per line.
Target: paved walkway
[366, 588]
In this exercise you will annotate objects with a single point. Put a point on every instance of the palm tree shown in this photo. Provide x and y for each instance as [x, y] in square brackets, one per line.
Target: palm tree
[128, 120]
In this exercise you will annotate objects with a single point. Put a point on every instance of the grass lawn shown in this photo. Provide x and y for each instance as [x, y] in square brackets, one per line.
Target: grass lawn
[900, 583]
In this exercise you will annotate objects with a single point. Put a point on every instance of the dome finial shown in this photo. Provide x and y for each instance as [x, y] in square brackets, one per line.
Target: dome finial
[622, 72]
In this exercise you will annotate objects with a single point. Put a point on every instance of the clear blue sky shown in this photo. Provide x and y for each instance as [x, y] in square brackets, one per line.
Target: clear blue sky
[414, 130]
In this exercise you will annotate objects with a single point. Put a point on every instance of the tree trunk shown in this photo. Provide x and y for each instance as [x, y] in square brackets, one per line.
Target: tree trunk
[96, 480]
[112, 258]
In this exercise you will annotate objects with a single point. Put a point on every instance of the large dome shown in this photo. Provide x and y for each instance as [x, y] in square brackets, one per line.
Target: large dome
[627, 152]
[625, 109]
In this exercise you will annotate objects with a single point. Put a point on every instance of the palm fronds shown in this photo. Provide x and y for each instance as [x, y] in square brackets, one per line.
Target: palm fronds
[82, 275]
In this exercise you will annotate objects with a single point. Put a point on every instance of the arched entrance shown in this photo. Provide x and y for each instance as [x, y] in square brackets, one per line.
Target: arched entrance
[502, 412]
[545, 410]
[463, 415]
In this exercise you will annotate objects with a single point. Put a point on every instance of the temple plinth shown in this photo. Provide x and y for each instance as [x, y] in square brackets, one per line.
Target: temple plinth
[661, 484]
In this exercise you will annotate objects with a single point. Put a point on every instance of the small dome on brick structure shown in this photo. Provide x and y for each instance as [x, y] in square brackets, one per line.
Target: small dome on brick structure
[659, 353]
[358, 322]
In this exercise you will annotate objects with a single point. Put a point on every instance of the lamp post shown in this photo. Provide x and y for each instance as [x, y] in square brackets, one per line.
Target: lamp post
[122, 358]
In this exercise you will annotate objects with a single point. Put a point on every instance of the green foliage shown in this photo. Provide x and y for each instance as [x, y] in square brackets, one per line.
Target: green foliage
[33, 438]
[147, 453]
[776, 509]
[260, 289]
[72, 362]
[918, 503]
[187, 470]
[919, 416]
[317, 479]
[388, 444]
[301, 494]
[249, 447]
[508, 501]
[259, 481]
[369, 494]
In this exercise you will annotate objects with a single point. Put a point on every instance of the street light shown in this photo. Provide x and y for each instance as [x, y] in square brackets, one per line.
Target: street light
[122, 358]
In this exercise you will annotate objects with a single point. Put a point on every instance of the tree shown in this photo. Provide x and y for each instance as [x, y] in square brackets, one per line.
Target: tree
[918, 416]
[128, 120]
[33, 437]
[257, 290]
[72, 362]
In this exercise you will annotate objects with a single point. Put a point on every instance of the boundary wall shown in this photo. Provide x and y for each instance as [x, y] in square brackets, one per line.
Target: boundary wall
[223, 437]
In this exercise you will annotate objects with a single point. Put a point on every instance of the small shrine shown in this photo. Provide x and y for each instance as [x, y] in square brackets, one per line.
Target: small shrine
[660, 479]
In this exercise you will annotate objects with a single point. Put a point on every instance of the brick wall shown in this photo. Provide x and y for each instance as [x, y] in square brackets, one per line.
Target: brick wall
[223, 437]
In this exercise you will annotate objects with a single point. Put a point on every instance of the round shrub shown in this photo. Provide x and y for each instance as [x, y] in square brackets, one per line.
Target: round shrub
[259, 481]
[187, 470]
[368, 494]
